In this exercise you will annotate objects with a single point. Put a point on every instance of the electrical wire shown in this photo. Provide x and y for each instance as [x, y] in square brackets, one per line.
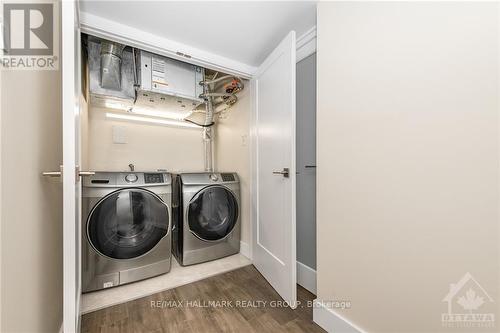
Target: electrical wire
[201, 125]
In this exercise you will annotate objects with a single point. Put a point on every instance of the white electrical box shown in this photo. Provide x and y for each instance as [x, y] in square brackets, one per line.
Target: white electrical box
[167, 76]
[119, 135]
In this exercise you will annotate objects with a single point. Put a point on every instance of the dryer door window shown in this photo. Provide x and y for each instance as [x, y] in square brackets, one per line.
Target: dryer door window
[212, 213]
[127, 223]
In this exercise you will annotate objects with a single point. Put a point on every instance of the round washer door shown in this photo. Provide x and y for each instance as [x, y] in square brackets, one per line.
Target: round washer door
[212, 213]
[127, 223]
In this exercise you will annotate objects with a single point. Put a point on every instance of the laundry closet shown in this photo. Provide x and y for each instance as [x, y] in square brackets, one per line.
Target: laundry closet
[159, 157]
[178, 148]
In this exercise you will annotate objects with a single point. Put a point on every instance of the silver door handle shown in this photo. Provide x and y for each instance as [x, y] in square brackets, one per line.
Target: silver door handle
[79, 173]
[52, 173]
[285, 173]
[59, 173]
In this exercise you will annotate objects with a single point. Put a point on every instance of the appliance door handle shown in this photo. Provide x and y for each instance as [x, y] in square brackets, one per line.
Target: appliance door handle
[285, 173]
[309, 166]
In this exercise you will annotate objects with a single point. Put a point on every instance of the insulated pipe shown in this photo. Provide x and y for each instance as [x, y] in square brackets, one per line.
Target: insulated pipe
[208, 148]
[218, 108]
[225, 77]
[208, 131]
[217, 95]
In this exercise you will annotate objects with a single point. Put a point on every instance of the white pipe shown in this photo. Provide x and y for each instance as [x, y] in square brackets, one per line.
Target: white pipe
[223, 78]
[208, 131]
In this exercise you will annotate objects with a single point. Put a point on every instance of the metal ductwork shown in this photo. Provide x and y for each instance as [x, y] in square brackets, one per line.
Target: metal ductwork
[111, 65]
[111, 74]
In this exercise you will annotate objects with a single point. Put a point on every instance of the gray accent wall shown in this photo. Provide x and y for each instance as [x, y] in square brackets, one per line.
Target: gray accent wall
[306, 156]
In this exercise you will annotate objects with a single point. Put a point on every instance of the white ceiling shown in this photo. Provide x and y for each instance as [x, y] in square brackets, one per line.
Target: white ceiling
[243, 31]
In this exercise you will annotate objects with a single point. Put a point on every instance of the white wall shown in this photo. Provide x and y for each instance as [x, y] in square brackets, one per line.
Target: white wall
[408, 158]
[31, 206]
[149, 147]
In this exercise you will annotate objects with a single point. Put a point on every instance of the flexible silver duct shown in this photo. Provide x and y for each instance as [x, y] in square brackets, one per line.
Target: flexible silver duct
[111, 65]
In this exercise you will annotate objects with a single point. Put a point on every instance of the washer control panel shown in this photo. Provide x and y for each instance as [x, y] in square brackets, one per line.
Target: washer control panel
[153, 178]
[127, 179]
[131, 178]
[227, 177]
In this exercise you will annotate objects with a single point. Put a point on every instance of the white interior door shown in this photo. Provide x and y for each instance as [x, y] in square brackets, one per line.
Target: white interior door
[274, 247]
[71, 81]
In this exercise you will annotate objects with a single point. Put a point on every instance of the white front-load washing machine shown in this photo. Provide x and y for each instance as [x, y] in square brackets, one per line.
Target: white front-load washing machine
[126, 227]
[207, 220]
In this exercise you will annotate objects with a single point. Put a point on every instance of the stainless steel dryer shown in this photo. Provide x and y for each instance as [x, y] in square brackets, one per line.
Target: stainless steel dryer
[207, 222]
[126, 229]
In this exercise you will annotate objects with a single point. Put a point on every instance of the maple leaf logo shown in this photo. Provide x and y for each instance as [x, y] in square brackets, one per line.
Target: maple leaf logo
[470, 301]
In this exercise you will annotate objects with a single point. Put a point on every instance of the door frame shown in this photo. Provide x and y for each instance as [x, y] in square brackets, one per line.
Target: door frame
[70, 178]
[121, 33]
[306, 46]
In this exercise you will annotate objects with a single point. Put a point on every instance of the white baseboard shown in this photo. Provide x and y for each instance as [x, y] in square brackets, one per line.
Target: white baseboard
[306, 277]
[331, 321]
[245, 250]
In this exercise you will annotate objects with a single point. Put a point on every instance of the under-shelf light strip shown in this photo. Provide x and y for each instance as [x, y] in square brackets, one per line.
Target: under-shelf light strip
[152, 120]
[160, 114]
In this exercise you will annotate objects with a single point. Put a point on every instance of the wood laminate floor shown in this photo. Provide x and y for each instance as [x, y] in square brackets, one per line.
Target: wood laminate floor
[237, 301]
